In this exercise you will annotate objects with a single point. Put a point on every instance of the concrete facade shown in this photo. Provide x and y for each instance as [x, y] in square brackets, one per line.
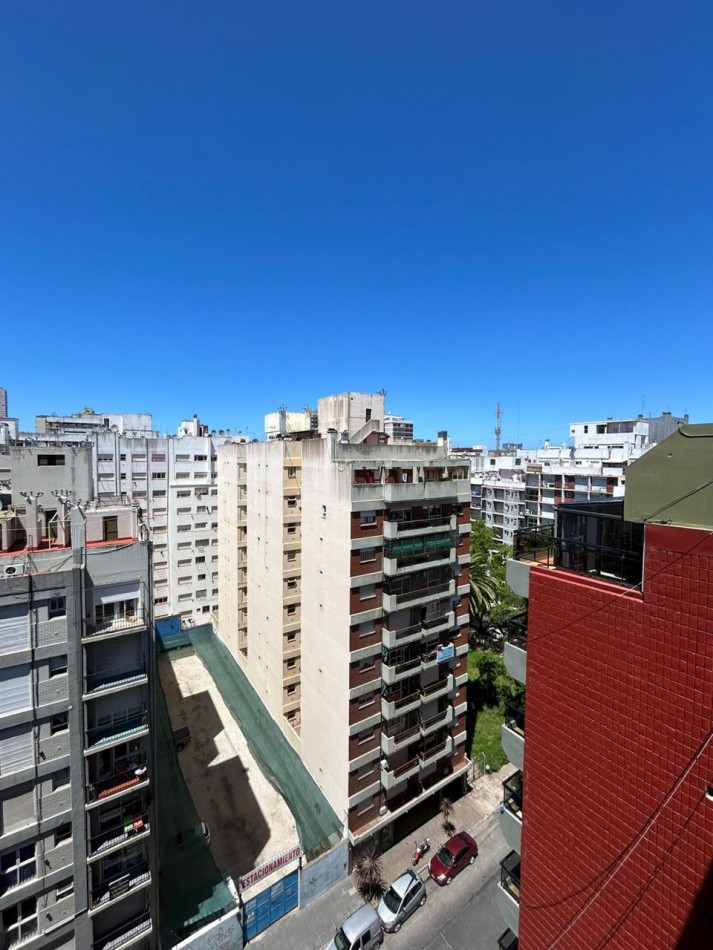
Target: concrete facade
[343, 596]
[77, 843]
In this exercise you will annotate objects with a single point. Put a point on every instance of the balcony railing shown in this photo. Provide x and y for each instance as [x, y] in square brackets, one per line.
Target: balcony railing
[439, 718]
[99, 627]
[127, 775]
[426, 590]
[515, 717]
[129, 930]
[510, 875]
[439, 686]
[403, 769]
[435, 751]
[124, 832]
[512, 793]
[99, 736]
[398, 732]
[415, 525]
[114, 676]
[534, 544]
[111, 890]
[516, 631]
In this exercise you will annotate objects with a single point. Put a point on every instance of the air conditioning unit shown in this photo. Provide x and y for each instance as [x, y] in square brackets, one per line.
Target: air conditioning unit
[12, 570]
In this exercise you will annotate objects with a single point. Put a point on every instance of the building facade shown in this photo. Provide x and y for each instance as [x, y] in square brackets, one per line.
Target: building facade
[361, 659]
[77, 838]
[609, 812]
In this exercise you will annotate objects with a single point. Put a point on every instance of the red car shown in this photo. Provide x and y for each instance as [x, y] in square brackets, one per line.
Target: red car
[452, 857]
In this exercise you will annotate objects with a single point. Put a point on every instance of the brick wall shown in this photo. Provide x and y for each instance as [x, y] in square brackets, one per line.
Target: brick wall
[619, 704]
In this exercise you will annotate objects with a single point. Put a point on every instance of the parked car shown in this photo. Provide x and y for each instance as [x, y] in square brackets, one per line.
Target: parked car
[400, 900]
[452, 857]
[362, 930]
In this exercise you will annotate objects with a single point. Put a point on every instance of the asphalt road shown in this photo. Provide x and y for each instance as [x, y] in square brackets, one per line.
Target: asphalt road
[464, 914]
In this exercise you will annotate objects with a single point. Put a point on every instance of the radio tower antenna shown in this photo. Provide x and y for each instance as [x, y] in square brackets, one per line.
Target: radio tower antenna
[497, 427]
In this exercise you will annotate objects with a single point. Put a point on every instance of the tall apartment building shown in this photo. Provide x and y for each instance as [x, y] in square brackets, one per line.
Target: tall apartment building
[343, 596]
[77, 839]
[609, 813]
[520, 487]
[171, 478]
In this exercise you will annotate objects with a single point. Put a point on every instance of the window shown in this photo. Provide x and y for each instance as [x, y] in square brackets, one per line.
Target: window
[58, 606]
[291, 610]
[110, 528]
[292, 583]
[200, 458]
[291, 502]
[291, 689]
[17, 866]
[105, 458]
[158, 457]
[291, 664]
[182, 457]
[324, 511]
[183, 474]
[365, 700]
[366, 555]
[367, 592]
[201, 559]
[160, 600]
[64, 889]
[157, 475]
[367, 518]
[60, 779]
[59, 723]
[292, 555]
[20, 922]
[62, 833]
[367, 629]
[367, 663]
[183, 494]
[50, 460]
[57, 665]
[291, 471]
[364, 807]
[365, 736]
[292, 529]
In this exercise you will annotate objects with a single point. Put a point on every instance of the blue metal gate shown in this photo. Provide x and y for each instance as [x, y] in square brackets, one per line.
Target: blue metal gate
[268, 906]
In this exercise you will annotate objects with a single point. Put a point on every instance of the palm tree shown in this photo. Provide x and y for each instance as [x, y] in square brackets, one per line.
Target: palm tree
[446, 809]
[483, 588]
[368, 876]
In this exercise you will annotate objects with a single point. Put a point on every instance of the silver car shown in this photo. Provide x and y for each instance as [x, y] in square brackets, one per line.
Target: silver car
[400, 900]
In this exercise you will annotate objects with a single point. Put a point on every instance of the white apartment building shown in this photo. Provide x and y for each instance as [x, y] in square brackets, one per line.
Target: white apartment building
[343, 595]
[520, 487]
[398, 428]
[172, 479]
[78, 861]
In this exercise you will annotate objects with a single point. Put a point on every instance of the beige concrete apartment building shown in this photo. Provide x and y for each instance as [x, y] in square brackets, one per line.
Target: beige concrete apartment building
[343, 595]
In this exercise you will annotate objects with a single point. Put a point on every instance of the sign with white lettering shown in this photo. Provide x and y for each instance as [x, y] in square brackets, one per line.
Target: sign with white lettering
[445, 653]
[258, 873]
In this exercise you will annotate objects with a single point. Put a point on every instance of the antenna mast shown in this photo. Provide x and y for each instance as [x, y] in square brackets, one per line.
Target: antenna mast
[497, 427]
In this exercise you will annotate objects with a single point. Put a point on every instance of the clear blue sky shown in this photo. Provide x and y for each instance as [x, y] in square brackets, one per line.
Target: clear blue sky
[219, 206]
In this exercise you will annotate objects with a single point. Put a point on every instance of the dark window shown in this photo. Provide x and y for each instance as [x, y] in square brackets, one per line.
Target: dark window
[59, 723]
[50, 459]
[62, 833]
[110, 528]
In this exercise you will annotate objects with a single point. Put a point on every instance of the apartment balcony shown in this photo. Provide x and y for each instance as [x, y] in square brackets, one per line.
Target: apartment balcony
[435, 690]
[114, 889]
[394, 736]
[515, 650]
[391, 777]
[394, 638]
[439, 622]
[412, 590]
[113, 839]
[508, 891]
[408, 528]
[398, 671]
[446, 489]
[113, 679]
[102, 737]
[400, 706]
[511, 811]
[99, 629]
[512, 734]
[127, 935]
[590, 538]
[435, 752]
[124, 778]
[443, 719]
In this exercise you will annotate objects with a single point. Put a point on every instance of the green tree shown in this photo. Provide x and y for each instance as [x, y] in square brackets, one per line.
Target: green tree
[492, 601]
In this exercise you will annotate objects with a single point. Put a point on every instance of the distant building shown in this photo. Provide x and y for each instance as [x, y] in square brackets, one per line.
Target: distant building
[3, 403]
[608, 808]
[398, 428]
[283, 424]
[78, 863]
[133, 424]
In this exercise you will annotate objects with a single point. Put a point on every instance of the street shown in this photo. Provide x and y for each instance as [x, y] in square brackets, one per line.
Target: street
[461, 916]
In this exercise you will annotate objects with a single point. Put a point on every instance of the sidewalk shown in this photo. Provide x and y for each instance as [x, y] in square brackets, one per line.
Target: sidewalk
[313, 927]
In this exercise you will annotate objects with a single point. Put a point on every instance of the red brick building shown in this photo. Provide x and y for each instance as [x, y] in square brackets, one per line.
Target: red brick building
[611, 814]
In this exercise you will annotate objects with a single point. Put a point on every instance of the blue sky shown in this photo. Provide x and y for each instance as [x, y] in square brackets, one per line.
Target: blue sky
[219, 207]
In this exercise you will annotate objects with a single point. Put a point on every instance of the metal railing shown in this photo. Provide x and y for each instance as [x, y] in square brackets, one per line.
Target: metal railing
[435, 687]
[515, 717]
[129, 930]
[402, 769]
[114, 676]
[512, 793]
[436, 522]
[516, 630]
[127, 775]
[510, 874]
[121, 833]
[426, 590]
[99, 626]
[570, 554]
[395, 730]
[117, 886]
[101, 735]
